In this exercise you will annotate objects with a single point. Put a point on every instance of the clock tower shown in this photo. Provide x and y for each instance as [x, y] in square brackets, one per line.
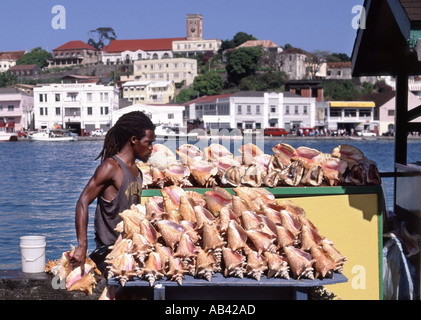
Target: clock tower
[194, 26]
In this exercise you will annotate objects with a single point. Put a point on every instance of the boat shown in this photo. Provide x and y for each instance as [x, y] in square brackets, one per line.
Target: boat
[53, 135]
[169, 132]
[8, 136]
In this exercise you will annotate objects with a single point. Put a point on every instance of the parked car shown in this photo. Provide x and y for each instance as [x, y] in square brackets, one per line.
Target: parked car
[366, 133]
[275, 132]
[98, 133]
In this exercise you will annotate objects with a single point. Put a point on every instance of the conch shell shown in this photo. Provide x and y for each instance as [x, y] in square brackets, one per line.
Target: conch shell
[76, 282]
[204, 173]
[256, 265]
[176, 270]
[277, 266]
[234, 263]
[153, 269]
[300, 263]
[178, 175]
[206, 265]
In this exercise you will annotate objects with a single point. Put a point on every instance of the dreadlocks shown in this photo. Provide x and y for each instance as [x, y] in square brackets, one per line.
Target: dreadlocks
[130, 124]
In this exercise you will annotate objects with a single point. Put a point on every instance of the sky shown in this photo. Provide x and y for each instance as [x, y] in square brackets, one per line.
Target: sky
[311, 25]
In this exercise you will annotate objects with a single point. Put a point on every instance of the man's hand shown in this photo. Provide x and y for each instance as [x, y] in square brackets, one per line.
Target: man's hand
[78, 258]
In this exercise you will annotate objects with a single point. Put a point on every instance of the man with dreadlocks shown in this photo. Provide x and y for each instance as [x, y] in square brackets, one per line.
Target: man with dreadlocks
[116, 184]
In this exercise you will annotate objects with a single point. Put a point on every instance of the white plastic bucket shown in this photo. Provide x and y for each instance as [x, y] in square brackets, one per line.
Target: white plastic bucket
[32, 249]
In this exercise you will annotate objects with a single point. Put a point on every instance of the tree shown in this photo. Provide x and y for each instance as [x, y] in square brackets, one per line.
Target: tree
[208, 84]
[99, 35]
[341, 90]
[37, 56]
[238, 39]
[186, 95]
[242, 63]
[6, 79]
[270, 80]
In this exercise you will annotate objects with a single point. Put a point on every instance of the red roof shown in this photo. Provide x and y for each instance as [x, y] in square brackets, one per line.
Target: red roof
[207, 99]
[72, 45]
[145, 45]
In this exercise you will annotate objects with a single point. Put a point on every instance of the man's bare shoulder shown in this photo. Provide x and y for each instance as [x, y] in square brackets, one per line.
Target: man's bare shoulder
[107, 168]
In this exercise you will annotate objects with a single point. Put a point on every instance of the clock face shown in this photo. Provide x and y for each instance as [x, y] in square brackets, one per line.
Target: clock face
[193, 30]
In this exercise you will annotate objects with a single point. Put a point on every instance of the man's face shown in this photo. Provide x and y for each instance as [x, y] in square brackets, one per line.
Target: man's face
[143, 147]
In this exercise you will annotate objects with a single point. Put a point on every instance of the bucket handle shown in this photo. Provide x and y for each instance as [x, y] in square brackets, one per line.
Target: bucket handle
[32, 260]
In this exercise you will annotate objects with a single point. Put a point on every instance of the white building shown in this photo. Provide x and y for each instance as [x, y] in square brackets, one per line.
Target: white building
[171, 114]
[149, 92]
[254, 110]
[15, 109]
[80, 107]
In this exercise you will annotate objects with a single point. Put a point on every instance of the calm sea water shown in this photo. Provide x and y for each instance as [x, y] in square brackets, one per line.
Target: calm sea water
[41, 182]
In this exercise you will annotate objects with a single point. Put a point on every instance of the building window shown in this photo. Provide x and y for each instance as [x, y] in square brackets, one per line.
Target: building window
[171, 116]
[296, 110]
[391, 113]
[239, 109]
[57, 97]
[89, 97]
[305, 110]
[58, 111]
[89, 111]
[286, 109]
[257, 109]
[248, 109]
[272, 109]
[10, 108]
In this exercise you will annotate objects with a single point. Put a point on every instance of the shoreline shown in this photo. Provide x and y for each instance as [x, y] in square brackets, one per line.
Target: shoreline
[254, 137]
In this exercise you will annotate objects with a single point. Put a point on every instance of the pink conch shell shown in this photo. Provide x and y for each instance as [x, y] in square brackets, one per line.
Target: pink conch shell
[370, 172]
[253, 177]
[233, 175]
[203, 216]
[254, 197]
[309, 238]
[277, 265]
[206, 265]
[204, 173]
[176, 270]
[76, 282]
[256, 265]
[263, 162]
[249, 151]
[234, 263]
[313, 176]
[333, 170]
[141, 247]
[225, 216]
[131, 222]
[239, 205]
[146, 173]
[158, 177]
[171, 157]
[216, 199]
[211, 238]
[290, 222]
[250, 220]
[283, 153]
[171, 232]
[120, 247]
[171, 196]
[271, 211]
[333, 253]
[237, 236]
[285, 238]
[186, 247]
[300, 263]
[306, 156]
[350, 154]
[189, 153]
[164, 252]
[261, 240]
[225, 163]
[178, 174]
[216, 151]
[154, 208]
[153, 269]
[186, 208]
[292, 174]
[272, 179]
[323, 266]
[191, 230]
[148, 231]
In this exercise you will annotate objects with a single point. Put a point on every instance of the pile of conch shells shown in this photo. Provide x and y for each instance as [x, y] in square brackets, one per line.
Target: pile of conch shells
[73, 279]
[246, 233]
[286, 166]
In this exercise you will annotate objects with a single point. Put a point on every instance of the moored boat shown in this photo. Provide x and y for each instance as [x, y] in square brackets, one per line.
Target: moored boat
[8, 136]
[167, 132]
[52, 135]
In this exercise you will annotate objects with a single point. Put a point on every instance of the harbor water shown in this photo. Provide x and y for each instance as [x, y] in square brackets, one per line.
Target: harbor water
[41, 182]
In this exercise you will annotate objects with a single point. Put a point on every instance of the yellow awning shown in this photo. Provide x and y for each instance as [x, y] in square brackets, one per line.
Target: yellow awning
[352, 104]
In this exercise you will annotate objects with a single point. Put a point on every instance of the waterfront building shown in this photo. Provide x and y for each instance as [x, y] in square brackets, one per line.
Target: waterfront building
[180, 70]
[82, 107]
[255, 110]
[16, 109]
[171, 114]
[25, 70]
[148, 92]
[352, 116]
[8, 59]
[74, 53]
